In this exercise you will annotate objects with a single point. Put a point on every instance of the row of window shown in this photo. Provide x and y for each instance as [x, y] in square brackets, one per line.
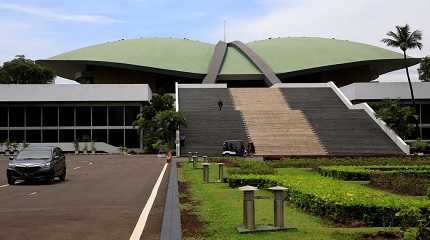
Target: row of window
[68, 116]
[115, 137]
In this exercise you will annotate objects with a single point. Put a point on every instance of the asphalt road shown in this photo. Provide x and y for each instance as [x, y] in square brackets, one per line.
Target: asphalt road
[102, 198]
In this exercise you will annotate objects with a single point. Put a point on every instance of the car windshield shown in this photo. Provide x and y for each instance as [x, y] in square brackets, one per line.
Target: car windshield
[34, 155]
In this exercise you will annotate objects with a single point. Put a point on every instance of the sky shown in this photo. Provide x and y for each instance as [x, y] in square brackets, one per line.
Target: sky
[40, 29]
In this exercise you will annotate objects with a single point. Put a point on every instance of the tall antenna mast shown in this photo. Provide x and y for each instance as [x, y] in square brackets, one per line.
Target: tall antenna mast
[225, 34]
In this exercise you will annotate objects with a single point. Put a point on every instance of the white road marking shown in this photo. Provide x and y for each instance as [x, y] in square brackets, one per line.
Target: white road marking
[90, 163]
[140, 225]
[2, 186]
[76, 168]
[33, 193]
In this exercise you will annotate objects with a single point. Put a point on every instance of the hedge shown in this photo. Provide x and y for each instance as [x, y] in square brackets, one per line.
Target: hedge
[345, 161]
[336, 200]
[363, 173]
[409, 184]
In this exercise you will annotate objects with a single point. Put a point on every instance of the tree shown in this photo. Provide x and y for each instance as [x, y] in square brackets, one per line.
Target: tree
[424, 70]
[404, 39]
[397, 117]
[167, 123]
[158, 122]
[25, 71]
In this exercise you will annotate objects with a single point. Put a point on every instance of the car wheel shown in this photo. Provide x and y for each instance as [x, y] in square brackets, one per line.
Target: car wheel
[11, 181]
[63, 176]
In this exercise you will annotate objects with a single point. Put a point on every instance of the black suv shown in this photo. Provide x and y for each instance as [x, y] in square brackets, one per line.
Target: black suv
[37, 163]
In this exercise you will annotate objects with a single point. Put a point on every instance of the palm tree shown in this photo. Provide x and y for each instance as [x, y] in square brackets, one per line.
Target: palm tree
[404, 39]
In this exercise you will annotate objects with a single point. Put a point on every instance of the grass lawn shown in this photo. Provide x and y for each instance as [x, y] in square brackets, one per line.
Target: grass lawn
[219, 207]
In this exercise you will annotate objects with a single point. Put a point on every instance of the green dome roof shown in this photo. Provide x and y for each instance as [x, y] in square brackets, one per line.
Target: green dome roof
[283, 55]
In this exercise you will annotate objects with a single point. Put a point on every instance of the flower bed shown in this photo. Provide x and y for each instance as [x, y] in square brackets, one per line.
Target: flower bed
[336, 200]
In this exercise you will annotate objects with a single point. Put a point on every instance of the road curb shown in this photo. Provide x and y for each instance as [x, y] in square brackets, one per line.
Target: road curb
[171, 225]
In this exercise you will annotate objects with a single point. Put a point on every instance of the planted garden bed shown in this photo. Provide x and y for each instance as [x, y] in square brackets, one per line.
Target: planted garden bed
[364, 173]
[340, 201]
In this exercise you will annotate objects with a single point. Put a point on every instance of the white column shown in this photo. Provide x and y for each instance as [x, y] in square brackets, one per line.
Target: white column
[178, 141]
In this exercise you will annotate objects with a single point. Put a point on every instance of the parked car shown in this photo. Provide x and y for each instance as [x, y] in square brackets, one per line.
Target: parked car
[37, 163]
[233, 148]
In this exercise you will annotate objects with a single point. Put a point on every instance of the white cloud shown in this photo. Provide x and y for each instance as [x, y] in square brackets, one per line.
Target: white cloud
[50, 14]
[359, 20]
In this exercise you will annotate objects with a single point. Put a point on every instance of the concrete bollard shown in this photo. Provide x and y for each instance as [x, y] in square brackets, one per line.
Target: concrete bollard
[194, 159]
[205, 159]
[190, 156]
[206, 172]
[248, 207]
[278, 206]
[220, 171]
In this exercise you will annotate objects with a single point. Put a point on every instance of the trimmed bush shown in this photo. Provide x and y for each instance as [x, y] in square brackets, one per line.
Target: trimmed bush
[244, 167]
[336, 200]
[363, 173]
[400, 183]
[428, 191]
[359, 161]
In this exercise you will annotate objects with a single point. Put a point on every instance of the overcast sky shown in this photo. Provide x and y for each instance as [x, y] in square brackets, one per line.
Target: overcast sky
[43, 28]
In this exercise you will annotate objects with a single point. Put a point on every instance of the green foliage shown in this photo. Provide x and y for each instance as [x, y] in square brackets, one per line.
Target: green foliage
[25, 71]
[409, 216]
[409, 183]
[403, 38]
[158, 123]
[428, 191]
[337, 200]
[419, 145]
[168, 122]
[398, 117]
[363, 173]
[162, 102]
[361, 161]
[244, 167]
[424, 69]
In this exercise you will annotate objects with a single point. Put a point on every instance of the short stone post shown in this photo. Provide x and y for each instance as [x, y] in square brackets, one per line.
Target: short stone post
[194, 159]
[190, 156]
[206, 172]
[278, 206]
[220, 171]
[205, 159]
[248, 207]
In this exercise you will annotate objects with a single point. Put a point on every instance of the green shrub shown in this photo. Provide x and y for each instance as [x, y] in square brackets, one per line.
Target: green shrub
[428, 191]
[419, 145]
[336, 200]
[410, 184]
[358, 161]
[363, 173]
[244, 167]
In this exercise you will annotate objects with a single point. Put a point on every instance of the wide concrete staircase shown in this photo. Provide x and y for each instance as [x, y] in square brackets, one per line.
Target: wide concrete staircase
[207, 126]
[273, 126]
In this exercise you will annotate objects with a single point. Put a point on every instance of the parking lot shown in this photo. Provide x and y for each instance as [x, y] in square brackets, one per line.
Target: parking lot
[102, 198]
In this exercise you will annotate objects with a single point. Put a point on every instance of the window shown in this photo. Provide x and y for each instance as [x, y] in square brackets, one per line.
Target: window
[34, 136]
[116, 137]
[33, 117]
[3, 117]
[83, 116]
[50, 117]
[116, 116]
[425, 114]
[50, 136]
[100, 135]
[67, 116]
[131, 114]
[426, 133]
[16, 136]
[3, 136]
[83, 135]
[99, 116]
[132, 138]
[16, 116]
[67, 136]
